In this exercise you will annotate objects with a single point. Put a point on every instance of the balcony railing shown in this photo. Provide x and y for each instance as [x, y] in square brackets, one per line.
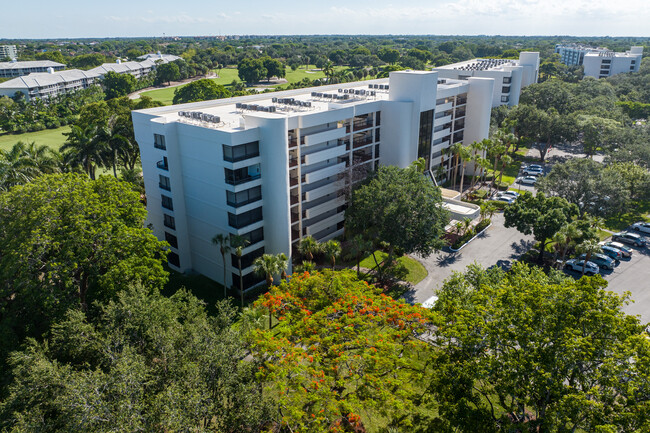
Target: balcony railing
[163, 186]
[362, 125]
[162, 165]
[362, 142]
[239, 181]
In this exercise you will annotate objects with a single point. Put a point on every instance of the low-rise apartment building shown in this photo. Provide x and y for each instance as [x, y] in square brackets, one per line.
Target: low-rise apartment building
[48, 84]
[276, 167]
[18, 69]
[8, 51]
[510, 76]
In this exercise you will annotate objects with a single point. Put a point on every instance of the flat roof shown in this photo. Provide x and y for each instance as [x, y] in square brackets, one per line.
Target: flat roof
[31, 64]
[230, 115]
[40, 79]
[480, 65]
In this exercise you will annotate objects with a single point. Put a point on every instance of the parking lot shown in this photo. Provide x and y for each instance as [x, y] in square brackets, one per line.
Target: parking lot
[500, 246]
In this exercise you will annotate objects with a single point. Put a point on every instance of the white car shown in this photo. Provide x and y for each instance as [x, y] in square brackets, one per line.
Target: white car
[576, 265]
[513, 194]
[629, 238]
[533, 171]
[429, 303]
[527, 180]
[642, 227]
[625, 251]
[504, 198]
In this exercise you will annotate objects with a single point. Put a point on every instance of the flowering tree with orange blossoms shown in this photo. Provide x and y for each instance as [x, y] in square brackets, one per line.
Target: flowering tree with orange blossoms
[341, 350]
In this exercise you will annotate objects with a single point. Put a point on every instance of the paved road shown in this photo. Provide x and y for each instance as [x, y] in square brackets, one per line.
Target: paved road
[496, 246]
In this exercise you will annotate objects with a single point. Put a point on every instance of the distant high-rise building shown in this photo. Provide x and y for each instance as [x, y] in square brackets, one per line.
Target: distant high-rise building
[600, 62]
[8, 51]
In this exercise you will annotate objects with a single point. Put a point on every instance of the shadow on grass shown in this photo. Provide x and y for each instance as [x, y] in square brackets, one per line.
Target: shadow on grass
[639, 211]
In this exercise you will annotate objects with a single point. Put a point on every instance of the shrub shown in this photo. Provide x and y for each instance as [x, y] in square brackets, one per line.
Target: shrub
[463, 239]
[482, 225]
[503, 186]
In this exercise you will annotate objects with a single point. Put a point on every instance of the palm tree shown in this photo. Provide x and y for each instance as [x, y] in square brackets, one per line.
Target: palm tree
[267, 266]
[332, 250]
[283, 265]
[308, 247]
[464, 155]
[239, 243]
[466, 224]
[505, 161]
[565, 237]
[328, 70]
[454, 149]
[85, 147]
[223, 242]
[359, 247]
[588, 247]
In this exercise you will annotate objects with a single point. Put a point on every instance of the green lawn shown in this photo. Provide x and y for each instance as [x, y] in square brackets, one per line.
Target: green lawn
[416, 272]
[53, 138]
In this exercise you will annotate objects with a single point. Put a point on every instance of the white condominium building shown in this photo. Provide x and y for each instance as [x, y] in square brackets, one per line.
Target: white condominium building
[600, 62]
[276, 167]
[18, 69]
[47, 84]
[137, 69]
[510, 76]
[608, 63]
[8, 51]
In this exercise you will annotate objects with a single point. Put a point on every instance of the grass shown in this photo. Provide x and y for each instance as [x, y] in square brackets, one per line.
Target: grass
[602, 234]
[52, 138]
[639, 211]
[416, 272]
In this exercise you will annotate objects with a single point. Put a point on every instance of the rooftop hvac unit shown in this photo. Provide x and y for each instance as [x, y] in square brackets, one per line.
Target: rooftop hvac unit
[274, 99]
[340, 90]
[370, 86]
[313, 94]
[381, 87]
[386, 87]
[363, 92]
[373, 93]
[375, 86]
[271, 109]
[244, 106]
[309, 104]
[238, 105]
[346, 96]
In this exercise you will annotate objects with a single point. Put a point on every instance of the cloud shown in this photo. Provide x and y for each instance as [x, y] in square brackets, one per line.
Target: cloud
[182, 18]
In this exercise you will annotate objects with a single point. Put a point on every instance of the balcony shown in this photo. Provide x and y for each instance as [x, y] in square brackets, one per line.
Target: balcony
[327, 222]
[162, 165]
[324, 154]
[363, 141]
[444, 107]
[442, 120]
[234, 180]
[324, 173]
[324, 136]
[324, 190]
[441, 134]
[324, 207]
[360, 125]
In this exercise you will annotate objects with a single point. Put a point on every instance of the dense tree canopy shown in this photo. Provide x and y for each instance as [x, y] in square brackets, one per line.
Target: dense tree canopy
[530, 352]
[400, 207]
[65, 242]
[116, 85]
[200, 90]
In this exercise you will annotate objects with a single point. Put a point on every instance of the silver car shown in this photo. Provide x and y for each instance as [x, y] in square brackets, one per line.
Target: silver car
[577, 265]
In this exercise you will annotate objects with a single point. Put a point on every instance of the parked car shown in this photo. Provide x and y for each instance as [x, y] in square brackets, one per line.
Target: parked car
[528, 171]
[576, 265]
[641, 227]
[601, 260]
[629, 238]
[535, 166]
[430, 303]
[527, 180]
[509, 193]
[612, 252]
[625, 251]
[504, 198]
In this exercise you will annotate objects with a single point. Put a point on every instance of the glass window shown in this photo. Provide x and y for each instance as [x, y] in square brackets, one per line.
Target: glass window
[507, 80]
[505, 89]
[173, 259]
[171, 239]
[169, 221]
[426, 136]
[244, 197]
[159, 141]
[242, 175]
[167, 202]
[377, 118]
[246, 259]
[245, 219]
[252, 237]
[241, 152]
[164, 183]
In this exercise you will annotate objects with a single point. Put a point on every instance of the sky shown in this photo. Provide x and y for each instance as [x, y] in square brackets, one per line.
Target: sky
[133, 18]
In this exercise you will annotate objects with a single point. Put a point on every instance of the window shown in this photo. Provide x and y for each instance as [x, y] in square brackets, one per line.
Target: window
[252, 237]
[426, 136]
[505, 89]
[173, 259]
[163, 165]
[169, 221]
[376, 151]
[505, 99]
[378, 117]
[163, 182]
[249, 280]
[246, 259]
[242, 175]
[159, 142]
[241, 152]
[507, 80]
[236, 199]
[245, 219]
[377, 135]
[167, 202]
[171, 239]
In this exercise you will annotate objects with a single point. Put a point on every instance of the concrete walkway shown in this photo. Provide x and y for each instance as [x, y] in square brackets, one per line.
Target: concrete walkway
[496, 246]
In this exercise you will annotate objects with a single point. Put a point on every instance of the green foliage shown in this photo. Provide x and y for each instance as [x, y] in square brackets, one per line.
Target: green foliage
[87, 61]
[200, 90]
[117, 85]
[67, 241]
[146, 362]
[339, 349]
[25, 162]
[251, 70]
[167, 72]
[539, 215]
[526, 351]
[636, 110]
[400, 207]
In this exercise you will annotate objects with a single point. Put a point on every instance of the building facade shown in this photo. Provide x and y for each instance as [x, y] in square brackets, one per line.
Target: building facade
[48, 84]
[274, 168]
[600, 62]
[8, 51]
[510, 76]
[18, 69]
